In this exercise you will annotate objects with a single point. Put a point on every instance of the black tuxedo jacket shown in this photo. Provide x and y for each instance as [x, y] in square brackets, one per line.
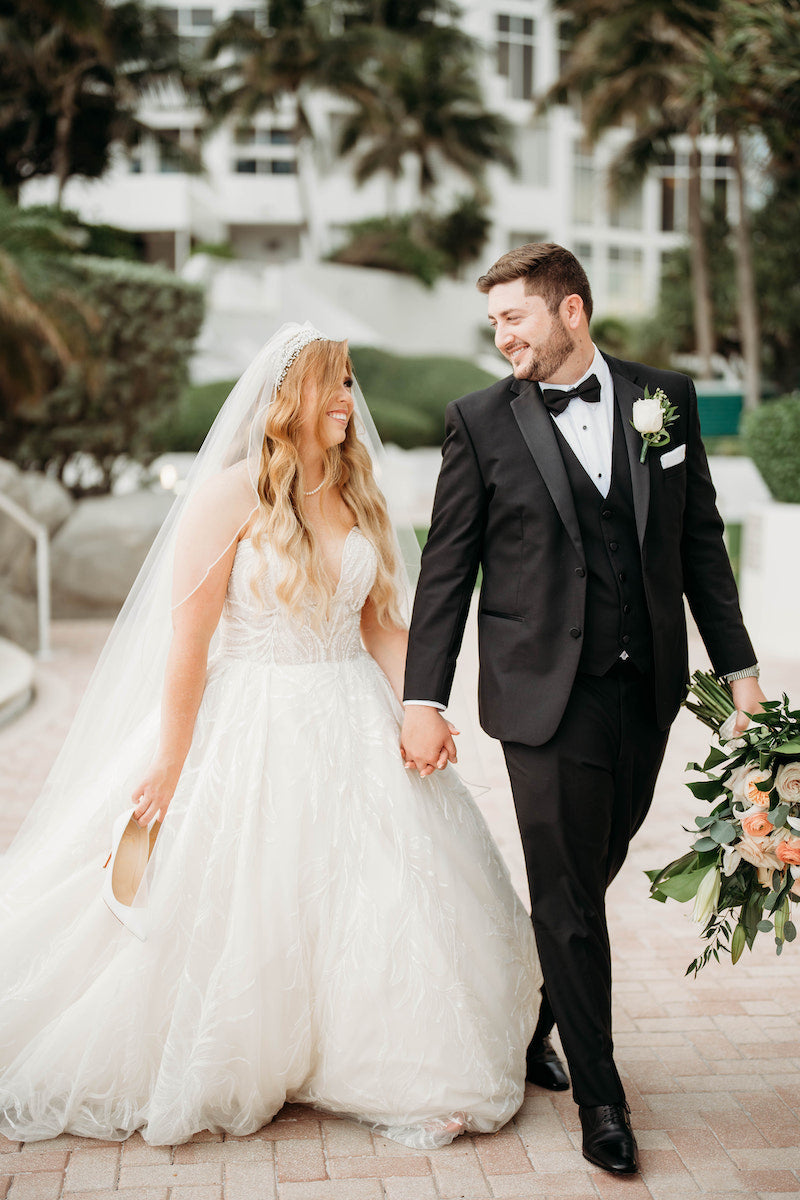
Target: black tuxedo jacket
[503, 501]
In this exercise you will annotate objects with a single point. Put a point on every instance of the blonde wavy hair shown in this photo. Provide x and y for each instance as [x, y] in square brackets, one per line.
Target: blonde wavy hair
[282, 521]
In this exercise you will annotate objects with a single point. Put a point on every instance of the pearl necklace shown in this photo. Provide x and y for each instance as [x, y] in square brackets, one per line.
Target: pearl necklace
[318, 488]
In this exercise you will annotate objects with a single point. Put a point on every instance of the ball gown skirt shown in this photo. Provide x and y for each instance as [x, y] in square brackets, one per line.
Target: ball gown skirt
[324, 926]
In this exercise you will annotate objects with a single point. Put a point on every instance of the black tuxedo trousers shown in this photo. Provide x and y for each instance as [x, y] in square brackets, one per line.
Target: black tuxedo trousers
[580, 797]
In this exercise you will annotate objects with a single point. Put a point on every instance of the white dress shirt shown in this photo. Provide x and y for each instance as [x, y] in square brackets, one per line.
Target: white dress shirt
[589, 429]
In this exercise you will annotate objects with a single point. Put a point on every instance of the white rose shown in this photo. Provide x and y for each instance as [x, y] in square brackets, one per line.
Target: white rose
[787, 782]
[648, 416]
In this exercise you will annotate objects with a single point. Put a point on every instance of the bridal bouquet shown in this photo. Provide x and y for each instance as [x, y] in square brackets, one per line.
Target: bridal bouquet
[743, 870]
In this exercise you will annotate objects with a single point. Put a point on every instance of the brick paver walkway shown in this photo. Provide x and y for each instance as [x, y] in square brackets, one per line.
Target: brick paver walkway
[711, 1066]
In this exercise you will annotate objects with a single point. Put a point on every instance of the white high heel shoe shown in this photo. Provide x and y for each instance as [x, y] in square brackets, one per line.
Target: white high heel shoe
[131, 847]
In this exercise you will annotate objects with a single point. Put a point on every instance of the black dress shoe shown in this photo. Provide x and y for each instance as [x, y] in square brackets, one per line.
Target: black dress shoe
[545, 1068]
[608, 1139]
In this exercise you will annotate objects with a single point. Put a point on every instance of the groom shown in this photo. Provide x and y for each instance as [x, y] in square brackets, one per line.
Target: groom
[587, 553]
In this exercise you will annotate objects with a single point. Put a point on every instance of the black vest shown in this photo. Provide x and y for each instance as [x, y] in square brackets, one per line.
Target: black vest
[616, 617]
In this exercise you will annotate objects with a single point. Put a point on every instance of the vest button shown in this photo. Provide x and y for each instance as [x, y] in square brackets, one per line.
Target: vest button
[579, 571]
[622, 577]
[607, 514]
[575, 632]
[625, 640]
[626, 608]
[613, 545]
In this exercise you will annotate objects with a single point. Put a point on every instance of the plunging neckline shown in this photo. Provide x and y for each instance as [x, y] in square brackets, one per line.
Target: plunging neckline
[350, 532]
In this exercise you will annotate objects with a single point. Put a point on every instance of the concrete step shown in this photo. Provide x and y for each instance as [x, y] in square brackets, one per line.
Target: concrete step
[16, 680]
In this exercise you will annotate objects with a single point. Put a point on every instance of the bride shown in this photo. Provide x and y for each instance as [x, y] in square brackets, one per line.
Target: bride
[314, 923]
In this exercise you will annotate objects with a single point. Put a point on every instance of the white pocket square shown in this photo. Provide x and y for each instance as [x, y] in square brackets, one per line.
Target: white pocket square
[673, 457]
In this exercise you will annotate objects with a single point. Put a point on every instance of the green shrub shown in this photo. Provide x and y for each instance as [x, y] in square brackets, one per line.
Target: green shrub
[772, 438]
[187, 425]
[419, 387]
[144, 321]
[422, 244]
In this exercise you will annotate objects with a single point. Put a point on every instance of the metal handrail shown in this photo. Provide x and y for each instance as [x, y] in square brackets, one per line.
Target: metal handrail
[39, 533]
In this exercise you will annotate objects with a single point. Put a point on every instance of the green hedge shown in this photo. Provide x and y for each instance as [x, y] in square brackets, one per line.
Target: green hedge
[407, 396]
[192, 417]
[772, 438]
[143, 321]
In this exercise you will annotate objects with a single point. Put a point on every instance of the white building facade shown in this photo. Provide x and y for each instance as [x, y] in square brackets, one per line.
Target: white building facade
[252, 197]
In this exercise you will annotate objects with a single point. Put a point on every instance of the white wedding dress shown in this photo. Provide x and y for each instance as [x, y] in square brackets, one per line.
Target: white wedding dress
[325, 927]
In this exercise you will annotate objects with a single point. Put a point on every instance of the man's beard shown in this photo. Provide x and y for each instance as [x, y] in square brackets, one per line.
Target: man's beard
[550, 356]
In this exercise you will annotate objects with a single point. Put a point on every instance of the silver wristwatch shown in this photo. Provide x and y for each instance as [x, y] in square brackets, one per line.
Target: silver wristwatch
[747, 673]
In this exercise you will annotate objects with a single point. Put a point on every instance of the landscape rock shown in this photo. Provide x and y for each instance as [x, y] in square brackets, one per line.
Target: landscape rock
[97, 553]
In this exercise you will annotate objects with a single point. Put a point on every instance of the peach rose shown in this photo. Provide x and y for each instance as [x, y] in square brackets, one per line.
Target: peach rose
[757, 852]
[744, 784]
[787, 782]
[788, 851]
[757, 824]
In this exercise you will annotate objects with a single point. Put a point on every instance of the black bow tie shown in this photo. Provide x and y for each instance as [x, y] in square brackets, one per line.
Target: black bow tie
[557, 400]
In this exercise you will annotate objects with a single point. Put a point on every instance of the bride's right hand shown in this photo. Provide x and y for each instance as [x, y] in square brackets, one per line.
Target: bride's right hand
[153, 795]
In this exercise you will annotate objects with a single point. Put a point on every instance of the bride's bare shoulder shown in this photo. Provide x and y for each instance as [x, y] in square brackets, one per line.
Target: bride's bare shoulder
[225, 499]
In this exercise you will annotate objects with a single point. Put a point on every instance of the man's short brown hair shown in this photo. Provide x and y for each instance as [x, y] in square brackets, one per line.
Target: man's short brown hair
[549, 271]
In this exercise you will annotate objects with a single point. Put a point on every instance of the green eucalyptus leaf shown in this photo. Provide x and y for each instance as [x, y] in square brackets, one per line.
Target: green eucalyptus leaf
[723, 833]
[764, 926]
[705, 843]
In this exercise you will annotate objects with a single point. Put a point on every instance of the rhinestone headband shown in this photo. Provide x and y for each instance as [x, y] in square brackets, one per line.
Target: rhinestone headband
[293, 348]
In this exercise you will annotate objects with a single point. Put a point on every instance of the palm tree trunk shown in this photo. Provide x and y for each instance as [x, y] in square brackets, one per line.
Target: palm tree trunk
[308, 191]
[701, 281]
[63, 133]
[745, 278]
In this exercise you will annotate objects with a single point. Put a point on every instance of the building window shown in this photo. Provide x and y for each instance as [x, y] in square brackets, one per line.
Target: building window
[626, 211]
[524, 237]
[565, 36]
[584, 186]
[625, 276]
[265, 166]
[515, 45]
[169, 155]
[248, 135]
[533, 154]
[192, 25]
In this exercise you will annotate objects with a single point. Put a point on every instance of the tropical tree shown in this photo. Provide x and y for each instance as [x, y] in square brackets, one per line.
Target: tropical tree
[747, 85]
[722, 66]
[285, 54]
[629, 62]
[72, 76]
[43, 323]
[422, 102]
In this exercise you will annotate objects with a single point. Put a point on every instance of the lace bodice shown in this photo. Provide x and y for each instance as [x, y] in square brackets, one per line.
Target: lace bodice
[271, 634]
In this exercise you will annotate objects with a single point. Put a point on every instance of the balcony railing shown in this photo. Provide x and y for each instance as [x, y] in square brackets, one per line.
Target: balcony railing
[39, 534]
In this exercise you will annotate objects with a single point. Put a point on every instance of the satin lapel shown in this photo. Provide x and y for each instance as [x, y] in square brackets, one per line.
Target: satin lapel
[625, 392]
[537, 429]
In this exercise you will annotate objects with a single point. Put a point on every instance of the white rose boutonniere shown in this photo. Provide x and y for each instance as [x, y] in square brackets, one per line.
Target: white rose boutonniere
[651, 417]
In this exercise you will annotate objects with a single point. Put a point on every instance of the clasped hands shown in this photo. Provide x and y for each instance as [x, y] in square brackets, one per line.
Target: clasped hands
[426, 740]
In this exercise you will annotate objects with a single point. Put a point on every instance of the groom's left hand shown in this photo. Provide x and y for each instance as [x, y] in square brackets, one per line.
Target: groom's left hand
[748, 698]
[426, 741]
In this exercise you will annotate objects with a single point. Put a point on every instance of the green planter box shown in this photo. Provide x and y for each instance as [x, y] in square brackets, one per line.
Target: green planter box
[720, 410]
